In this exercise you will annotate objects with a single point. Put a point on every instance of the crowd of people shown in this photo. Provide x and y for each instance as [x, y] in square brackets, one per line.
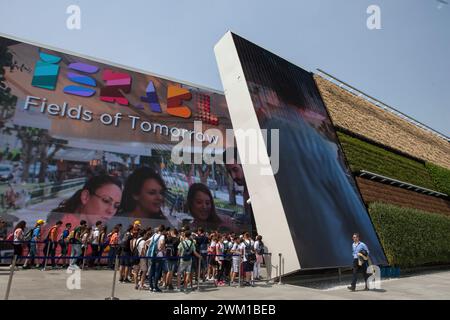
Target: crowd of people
[151, 258]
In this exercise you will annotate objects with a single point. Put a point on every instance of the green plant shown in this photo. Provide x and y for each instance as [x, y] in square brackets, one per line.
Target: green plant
[440, 176]
[411, 237]
[362, 155]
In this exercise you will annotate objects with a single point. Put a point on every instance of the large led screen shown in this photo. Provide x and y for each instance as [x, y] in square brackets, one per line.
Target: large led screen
[319, 196]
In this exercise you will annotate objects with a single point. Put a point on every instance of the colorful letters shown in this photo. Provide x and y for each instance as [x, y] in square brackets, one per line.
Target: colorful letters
[81, 79]
[46, 71]
[116, 85]
[175, 97]
[115, 82]
[151, 98]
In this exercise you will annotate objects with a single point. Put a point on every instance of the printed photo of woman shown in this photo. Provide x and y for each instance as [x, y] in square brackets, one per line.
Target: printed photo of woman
[200, 204]
[143, 196]
[98, 199]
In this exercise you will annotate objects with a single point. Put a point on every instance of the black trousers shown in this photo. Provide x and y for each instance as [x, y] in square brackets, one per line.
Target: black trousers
[95, 253]
[50, 247]
[18, 249]
[356, 270]
[220, 271]
[226, 269]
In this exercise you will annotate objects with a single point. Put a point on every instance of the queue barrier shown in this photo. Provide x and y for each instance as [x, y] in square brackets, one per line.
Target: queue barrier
[106, 257]
[267, 256]
[119, 258]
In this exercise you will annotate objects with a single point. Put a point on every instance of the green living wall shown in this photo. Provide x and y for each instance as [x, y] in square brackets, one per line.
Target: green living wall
[411, 237]
[362, 155]
[440, 176]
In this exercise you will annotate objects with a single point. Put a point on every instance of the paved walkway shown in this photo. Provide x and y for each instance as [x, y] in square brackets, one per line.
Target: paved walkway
[36, 284]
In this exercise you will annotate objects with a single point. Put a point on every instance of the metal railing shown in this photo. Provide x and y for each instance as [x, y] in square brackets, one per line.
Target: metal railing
[401, 184]
[119, 259]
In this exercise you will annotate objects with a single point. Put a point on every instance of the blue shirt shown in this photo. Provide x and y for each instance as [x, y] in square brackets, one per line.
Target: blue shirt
[65, 234]
[357, 249]
[36, 233]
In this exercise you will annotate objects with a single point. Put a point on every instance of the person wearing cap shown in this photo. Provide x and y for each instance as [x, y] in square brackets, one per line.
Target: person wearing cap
[136, 227]
[36, 236]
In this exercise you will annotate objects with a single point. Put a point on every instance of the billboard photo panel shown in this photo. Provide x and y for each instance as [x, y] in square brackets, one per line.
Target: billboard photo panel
[66, 120]
[311, 205]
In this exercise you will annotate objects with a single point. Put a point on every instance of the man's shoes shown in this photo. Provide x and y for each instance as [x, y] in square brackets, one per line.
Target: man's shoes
[351, 288]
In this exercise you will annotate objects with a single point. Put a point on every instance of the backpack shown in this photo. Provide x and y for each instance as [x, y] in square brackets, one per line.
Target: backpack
[29, 235]
[170, 248]
[226, 250]
[260, 249]
[153, 248]
[106, 239]
[135, 252]
[212, 249]
[125, 243]
[47, 239]
[73, 233]
[187, 251]
[249, 252]
[202, 241]
[10, 237]
[62, 238]
[71, 236]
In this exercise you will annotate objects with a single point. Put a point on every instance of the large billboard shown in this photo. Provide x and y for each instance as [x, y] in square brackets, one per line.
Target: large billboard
[312, 194]
[67, 123]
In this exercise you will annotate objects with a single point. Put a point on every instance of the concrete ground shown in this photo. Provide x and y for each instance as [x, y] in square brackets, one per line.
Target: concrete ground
[52, 284]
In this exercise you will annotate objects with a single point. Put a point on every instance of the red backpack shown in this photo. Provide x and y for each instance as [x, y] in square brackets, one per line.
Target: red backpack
[10, 237]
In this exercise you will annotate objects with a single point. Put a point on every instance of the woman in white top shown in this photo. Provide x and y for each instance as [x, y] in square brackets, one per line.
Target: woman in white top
[219, 260]
[18, 238]
[259, 251]
[212, 263]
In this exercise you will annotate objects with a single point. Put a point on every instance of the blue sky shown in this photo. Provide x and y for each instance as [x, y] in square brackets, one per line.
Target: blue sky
[406, 64]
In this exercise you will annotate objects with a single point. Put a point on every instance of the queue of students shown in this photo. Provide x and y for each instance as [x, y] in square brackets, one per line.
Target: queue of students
[150, 258]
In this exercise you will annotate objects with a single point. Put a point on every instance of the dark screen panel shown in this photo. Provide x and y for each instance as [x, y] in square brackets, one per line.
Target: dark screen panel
[320, 197]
